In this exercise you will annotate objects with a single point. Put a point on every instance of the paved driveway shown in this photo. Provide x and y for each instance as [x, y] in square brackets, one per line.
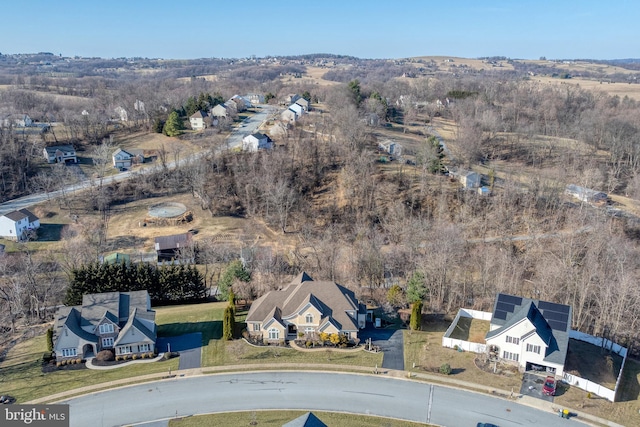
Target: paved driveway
[189, 346]
[390, 342]
[532, 386]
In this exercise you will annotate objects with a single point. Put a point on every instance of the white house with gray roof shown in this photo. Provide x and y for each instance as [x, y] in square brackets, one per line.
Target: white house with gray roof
[16, 224]
[122, 321]
[531, 334]
[308, 307]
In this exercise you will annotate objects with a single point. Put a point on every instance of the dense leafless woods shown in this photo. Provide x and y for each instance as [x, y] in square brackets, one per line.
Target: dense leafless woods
[343, 215]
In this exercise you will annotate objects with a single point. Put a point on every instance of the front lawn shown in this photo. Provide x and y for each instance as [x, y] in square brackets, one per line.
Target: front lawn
[279, 418]
[21, 373]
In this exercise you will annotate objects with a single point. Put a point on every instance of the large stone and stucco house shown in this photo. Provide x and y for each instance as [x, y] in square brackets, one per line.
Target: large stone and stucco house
[122, 321]
[308, 307]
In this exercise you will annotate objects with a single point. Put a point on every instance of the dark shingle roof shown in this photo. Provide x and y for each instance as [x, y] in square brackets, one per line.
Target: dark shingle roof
[552, 322]
[172, 242]
[28, 213]
[16, 216]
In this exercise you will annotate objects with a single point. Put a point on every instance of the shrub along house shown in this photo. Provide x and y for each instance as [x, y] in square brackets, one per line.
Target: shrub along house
[308, 307]
[122, 321]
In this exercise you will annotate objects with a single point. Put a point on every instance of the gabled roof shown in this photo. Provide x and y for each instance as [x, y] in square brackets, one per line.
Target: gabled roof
[65, 148]
[331, 300]
[174, 241]
[552, 322]
[16, 216]
[120, 150]
[199, 115]
[118, 304]
[28, 213]
[306, 420]
[70, 317]
[132, 323]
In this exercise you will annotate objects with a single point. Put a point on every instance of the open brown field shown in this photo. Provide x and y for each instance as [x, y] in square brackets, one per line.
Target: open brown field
[632, 90]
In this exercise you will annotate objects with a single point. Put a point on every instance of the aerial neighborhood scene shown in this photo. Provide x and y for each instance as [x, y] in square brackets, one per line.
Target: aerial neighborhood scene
[405, 215]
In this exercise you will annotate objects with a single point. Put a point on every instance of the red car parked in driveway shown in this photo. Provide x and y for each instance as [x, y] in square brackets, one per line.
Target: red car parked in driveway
[549, 387]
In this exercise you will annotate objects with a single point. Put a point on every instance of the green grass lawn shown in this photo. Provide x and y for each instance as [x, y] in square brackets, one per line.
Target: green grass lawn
[278, 418]
[207, 318]
[21, 375]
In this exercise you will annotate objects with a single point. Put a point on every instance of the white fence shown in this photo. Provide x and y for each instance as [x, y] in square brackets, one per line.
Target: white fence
[590, 386]
[465, 345]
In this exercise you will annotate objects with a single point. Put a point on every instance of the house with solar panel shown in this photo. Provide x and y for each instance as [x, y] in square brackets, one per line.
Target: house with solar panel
[532, 334]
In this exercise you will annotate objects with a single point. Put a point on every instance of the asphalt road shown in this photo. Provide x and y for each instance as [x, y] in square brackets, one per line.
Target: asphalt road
[233, 141]
[316, 391]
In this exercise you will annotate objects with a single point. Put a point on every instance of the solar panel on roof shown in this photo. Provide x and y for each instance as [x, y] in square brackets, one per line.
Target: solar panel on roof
[560, 308]
[553, 315]
[499, 314]
[557, 325]
[505, 307]
[510, 299]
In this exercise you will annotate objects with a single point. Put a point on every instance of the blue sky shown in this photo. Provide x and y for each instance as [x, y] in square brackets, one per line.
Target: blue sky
[365, 28]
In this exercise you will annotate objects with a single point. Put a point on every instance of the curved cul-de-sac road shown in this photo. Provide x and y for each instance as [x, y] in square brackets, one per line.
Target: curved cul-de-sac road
[362, 394]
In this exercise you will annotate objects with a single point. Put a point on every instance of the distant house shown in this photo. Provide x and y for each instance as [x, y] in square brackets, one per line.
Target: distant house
[122, 158]
[298, 109]
[60, 154]
[291, 98]
[168, 247]
[197, 120]
[16, 224]
[586, 195]
[306, 106]
[243, 103]
[17, 120]
[138, 155]
[122, 321]
[255, 142]
[390, 147]
[121, 113]
[255, 98]
[470, 179]
[220, 110]
[289, 116]
[308, 307]
[531, 334]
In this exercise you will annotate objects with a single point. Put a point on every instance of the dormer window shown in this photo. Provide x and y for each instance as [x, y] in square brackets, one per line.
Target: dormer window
[309, 318]
[106, 328]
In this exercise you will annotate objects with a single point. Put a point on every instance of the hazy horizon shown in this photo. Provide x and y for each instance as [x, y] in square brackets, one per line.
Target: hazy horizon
[525, 29]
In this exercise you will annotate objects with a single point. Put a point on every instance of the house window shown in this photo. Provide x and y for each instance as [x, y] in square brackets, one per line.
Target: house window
[107, 342]
[106, 328]
[309, 330]
[274, 334]
[533, 348]
[309, 318]
[125, 349]
[69, 352]
[256, 327]
[513, 340]
[143, 347]
[510, 356]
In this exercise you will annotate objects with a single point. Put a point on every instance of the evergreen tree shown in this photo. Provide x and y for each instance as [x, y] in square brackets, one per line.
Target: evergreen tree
[354, 88]
[173, 125]
[234, 270]
[416, 316]
[228, 323]
[416, 287]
